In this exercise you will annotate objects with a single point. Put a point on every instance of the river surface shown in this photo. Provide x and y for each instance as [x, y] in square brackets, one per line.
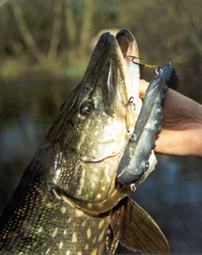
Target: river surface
[172, 194]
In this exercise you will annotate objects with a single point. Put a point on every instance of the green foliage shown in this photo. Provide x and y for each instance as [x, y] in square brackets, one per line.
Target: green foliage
[57, 38]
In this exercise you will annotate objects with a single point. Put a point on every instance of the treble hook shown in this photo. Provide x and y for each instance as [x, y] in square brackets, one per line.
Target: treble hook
[158, 70]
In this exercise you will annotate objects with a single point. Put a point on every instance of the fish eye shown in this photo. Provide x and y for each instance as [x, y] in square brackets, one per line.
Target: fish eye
[86, 108]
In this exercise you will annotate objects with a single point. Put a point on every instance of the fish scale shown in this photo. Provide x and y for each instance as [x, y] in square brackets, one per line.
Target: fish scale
[49, 223]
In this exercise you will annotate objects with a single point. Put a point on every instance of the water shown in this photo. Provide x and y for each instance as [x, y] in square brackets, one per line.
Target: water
[171, 194]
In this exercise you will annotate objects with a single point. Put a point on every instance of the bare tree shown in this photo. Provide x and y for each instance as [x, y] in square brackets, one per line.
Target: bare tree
[27, 36]
[86, 26]
[55, 37]
[70, 29]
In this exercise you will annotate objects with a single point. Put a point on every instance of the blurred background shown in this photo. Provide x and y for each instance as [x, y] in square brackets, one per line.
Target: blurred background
[45, 47]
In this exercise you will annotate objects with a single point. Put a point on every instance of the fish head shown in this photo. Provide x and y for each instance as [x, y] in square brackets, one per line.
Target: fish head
[94, 121]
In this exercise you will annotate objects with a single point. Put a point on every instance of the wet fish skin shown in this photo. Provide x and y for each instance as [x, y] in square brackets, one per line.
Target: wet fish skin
[68, 196]
[69, 178]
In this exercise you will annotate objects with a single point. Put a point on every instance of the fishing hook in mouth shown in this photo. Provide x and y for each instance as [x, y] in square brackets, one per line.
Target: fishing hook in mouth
[130, 57]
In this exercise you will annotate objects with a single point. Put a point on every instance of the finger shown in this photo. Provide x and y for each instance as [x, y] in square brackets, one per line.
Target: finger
[143, 87]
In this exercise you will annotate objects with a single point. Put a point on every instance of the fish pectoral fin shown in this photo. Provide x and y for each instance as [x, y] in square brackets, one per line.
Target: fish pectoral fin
[141, 233]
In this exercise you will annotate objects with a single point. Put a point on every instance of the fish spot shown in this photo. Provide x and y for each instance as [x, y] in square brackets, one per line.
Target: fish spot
[48, 205]
[60, 245]
[101, 224]
[74, 237]
[63, 209]
[89, 205]
[79, 213]
[94, 240]
[40, 230]
[88, 233]
[83, 223]
[101, 236]
[65, 232]
[86, 247]
[68, 220]
[94, 252]
[99, 195]
[67, 252]
[79, 253]
[47, 251]
[54, 232]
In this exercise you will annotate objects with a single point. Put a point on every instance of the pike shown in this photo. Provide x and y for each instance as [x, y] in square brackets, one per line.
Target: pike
[72, 198]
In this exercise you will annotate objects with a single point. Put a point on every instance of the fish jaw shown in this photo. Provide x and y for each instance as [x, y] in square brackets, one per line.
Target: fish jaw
[97, 116]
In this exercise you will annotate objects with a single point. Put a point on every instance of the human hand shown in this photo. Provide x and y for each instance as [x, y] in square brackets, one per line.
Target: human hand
[181, 126]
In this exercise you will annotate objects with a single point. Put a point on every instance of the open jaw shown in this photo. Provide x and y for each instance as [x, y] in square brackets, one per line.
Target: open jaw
[112, 58]
[129, 50]
[112, 80]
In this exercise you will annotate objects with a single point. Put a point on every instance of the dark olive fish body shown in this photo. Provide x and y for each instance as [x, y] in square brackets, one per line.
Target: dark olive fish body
[69, 200]
[63, 202]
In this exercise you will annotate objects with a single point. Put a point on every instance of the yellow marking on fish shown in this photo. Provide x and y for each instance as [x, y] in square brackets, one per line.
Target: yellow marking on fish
[68, 220]
[79, 213]
[79, 253]
[40, 230]
[101, 247]
[65, 232]
[101, 224]
[86, 247]
[88, 233]
[47, 250]
[83, 223]
[60, 245]
[94, 252]
[54, 232]
[101, 236]
[89, 205]
[74, 237]
[94, 240]
[63, 209]
[67, 252]
[98, 195]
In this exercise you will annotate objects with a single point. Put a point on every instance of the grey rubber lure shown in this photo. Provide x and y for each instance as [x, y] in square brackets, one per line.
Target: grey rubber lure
[134, 161]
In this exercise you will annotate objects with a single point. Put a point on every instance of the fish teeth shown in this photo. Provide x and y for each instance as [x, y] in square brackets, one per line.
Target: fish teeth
[133, 109]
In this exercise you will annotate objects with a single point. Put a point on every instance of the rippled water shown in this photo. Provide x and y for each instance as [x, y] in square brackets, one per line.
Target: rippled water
[172, 194]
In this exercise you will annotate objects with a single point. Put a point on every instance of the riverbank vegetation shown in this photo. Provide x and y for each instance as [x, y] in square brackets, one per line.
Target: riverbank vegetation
[54, 38]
